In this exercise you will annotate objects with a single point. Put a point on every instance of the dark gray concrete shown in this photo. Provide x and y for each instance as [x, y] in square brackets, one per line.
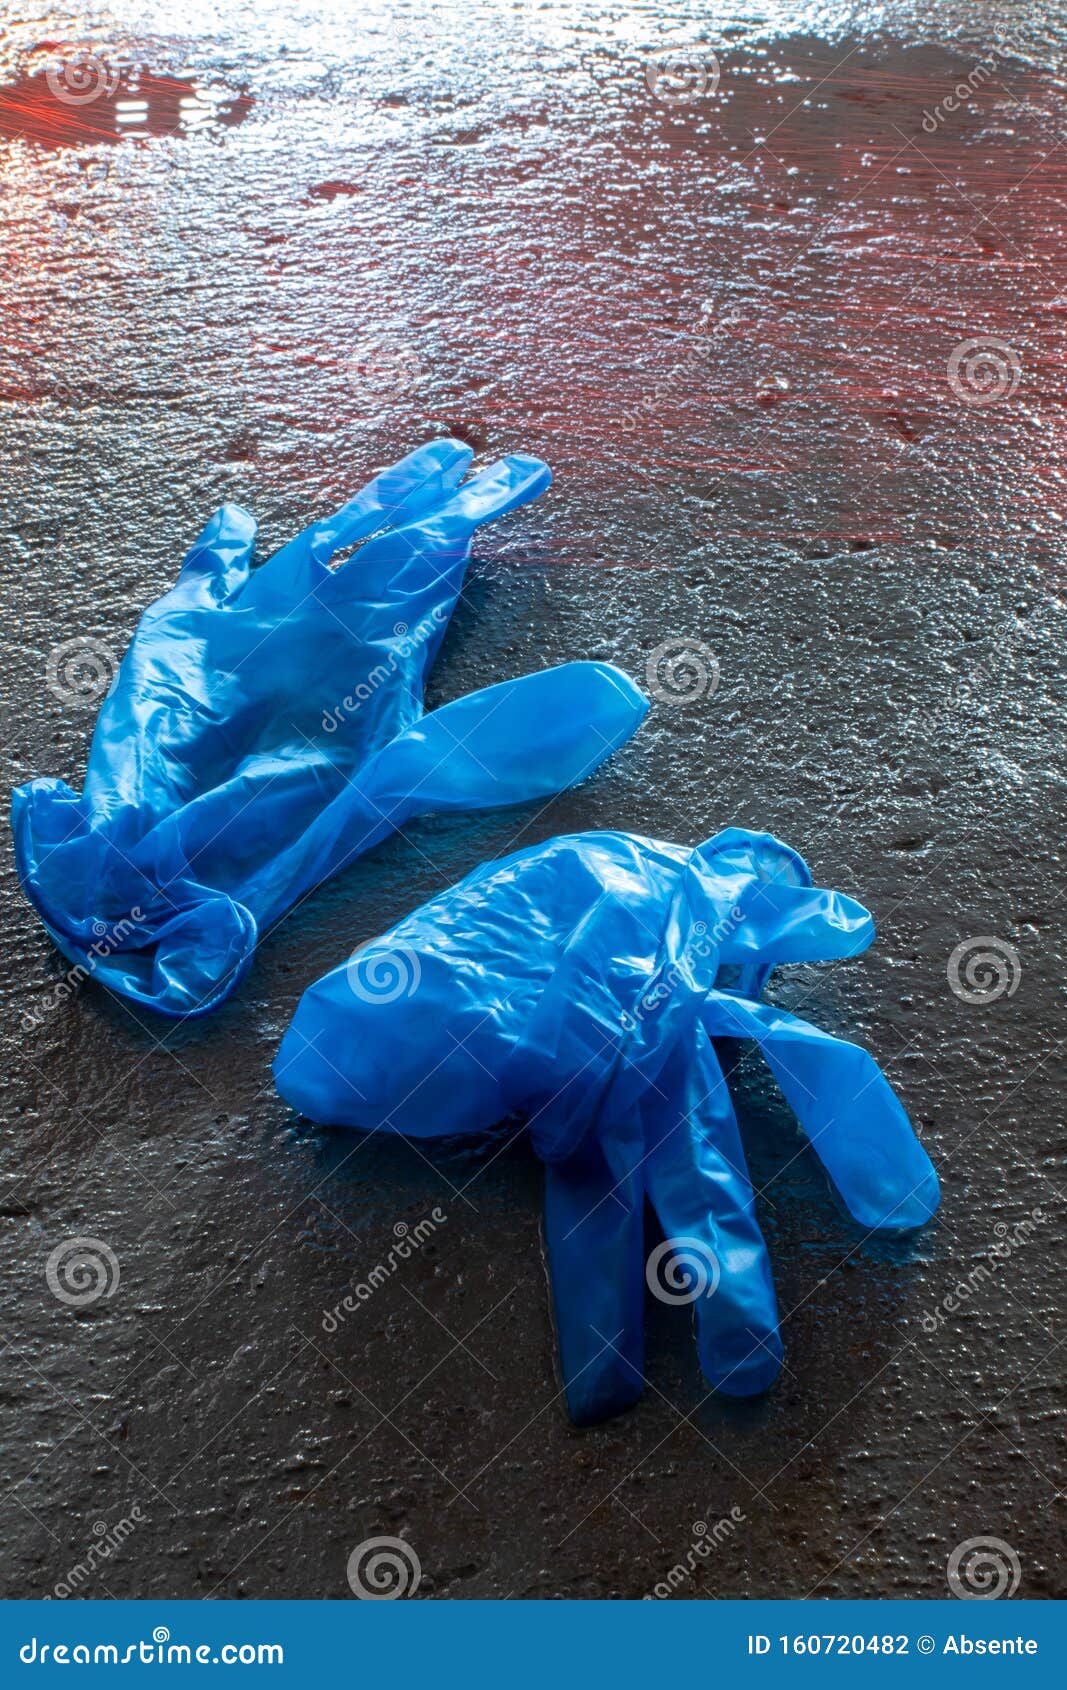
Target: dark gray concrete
[734, 354]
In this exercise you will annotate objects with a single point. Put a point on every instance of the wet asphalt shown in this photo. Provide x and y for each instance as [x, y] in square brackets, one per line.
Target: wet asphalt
[790, 330]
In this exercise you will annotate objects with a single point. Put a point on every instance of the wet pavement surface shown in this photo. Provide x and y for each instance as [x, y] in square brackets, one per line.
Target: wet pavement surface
[788, 320]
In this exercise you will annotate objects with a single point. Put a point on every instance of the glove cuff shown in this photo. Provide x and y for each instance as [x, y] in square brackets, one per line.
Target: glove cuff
[180, 950]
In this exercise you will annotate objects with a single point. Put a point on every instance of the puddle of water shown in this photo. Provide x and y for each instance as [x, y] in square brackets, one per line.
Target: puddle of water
[85, 103]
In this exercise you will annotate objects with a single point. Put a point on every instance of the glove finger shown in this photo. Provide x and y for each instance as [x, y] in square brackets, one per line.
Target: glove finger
[470, 753]
[846, 1107]
[407, 490]
[700, 1189]
[758, 854]
[222, 554]
[502, 487]
[423, 557]
[594, 1246]
[520, 739]
[763, 858]
[769, 922]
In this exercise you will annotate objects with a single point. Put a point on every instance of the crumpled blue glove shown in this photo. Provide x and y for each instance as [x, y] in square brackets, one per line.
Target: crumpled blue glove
[266, 727]
[581, 983]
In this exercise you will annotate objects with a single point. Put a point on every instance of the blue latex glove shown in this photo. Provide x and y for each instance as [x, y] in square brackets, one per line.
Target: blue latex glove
[266, 727]
[581, 983]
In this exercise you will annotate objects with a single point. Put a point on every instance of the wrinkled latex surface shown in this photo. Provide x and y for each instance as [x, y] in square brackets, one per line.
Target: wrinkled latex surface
[581, 984]
[266, 727]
